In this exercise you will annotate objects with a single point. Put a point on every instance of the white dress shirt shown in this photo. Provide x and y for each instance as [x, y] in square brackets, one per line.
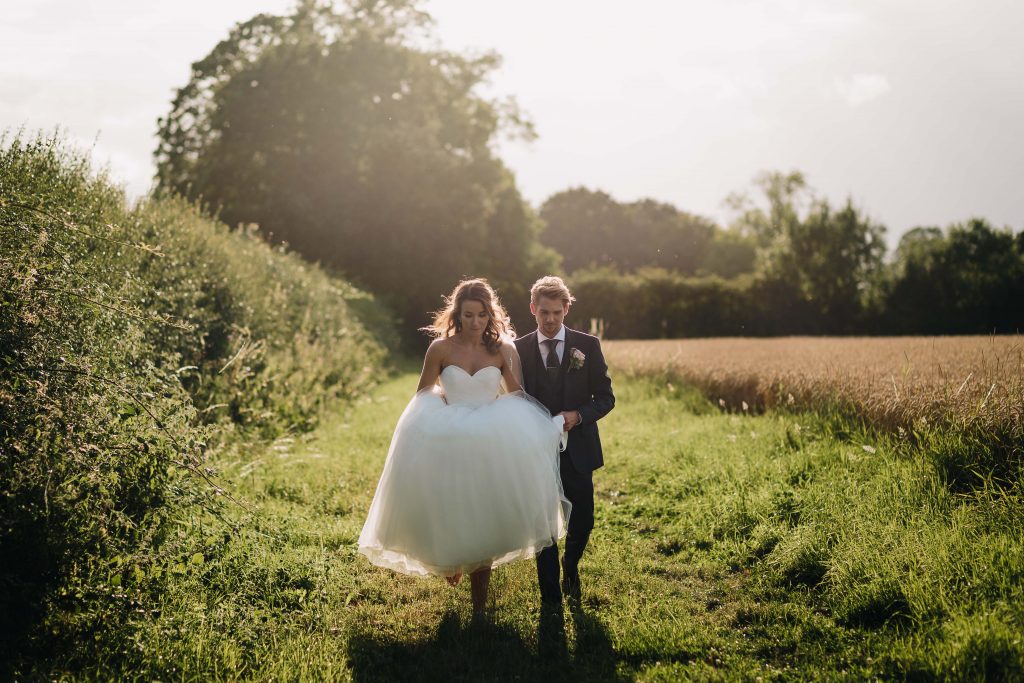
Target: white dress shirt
[560, 350]
[559, 347]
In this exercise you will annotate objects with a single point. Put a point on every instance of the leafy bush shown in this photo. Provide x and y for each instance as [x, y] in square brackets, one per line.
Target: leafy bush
[275, 338]
[131, 339]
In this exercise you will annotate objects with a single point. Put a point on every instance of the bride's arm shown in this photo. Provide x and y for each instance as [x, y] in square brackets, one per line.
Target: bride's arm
[511, 368]
[432, 365]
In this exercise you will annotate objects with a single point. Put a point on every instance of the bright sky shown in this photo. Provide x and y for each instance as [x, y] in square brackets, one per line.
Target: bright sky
[914, 108]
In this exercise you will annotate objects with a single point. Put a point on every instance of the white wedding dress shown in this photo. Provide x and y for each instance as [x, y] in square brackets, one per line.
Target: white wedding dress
[468, 483]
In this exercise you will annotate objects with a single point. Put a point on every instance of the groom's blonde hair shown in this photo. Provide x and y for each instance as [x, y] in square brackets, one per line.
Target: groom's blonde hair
[551, 287]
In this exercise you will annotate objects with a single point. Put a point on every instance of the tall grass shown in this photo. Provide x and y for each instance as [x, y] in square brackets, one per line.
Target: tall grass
[727, 547]
[893, 381]
[899, 510]
[132, 341]
[960, 399]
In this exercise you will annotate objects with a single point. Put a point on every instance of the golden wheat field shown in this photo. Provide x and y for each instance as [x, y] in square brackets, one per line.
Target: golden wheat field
[893, 381]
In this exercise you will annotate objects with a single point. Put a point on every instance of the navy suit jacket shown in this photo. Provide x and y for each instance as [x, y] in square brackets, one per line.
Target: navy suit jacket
[587, 389]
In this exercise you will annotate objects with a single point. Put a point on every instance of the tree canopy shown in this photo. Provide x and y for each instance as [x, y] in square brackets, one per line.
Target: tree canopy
[591, 229]
[829, 257]
[968, 278]
[342, 130]
[335, 130]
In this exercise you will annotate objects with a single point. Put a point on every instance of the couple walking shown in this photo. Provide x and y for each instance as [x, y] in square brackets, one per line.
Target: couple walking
[496, 463]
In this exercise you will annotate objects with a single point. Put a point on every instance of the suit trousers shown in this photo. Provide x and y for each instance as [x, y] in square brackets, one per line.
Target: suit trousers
[579, 489]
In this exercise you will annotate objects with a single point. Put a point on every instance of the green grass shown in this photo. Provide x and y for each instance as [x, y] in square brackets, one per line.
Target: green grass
[727, 547]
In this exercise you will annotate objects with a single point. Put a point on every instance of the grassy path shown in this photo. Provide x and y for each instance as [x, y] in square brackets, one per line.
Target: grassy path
[708, 563]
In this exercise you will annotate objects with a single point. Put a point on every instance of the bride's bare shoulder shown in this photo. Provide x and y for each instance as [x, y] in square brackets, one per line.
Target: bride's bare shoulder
[507, 351]
[438, 349]
[507, 346]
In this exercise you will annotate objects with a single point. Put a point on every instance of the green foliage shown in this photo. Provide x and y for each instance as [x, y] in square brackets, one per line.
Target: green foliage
[95, 428]
[792, 264]
[131, 341]
[831, 258]
[729, 255]
[336, 132]
[968, 278]
[590, 229]
[787, 195]
[654, 303]
[277, 339]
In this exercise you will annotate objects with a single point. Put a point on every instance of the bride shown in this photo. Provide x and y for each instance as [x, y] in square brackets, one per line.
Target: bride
[471, 478]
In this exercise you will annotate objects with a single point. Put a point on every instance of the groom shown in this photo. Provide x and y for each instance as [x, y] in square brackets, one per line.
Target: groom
[565, 370]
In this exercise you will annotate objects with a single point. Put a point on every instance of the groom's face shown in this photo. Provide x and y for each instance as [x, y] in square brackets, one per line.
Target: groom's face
[549, 314]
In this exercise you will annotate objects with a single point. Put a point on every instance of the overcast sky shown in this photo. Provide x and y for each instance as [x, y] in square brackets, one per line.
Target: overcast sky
[914, 108]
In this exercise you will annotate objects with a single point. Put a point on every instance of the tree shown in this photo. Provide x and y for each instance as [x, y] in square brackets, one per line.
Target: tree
[583, 225]
[787, 194]
[334, 131]
[729, 255]
[836, 256]
[662, 236]
[830, 257]
[968, 279]
[591, 229]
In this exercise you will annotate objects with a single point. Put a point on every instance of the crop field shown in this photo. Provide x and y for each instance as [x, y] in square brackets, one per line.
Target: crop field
[894, 382]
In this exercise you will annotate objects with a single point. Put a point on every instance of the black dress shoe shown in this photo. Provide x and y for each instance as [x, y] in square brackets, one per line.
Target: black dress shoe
[571, 586]
[551, 640]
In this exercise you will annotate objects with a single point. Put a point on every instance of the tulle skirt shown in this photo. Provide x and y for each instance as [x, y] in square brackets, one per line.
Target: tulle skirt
[466, 486]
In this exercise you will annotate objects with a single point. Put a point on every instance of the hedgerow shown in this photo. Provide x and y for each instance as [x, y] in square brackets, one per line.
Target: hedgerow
[134, 340]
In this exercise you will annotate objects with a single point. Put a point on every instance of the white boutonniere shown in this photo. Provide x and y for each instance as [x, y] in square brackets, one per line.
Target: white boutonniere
[576, 358]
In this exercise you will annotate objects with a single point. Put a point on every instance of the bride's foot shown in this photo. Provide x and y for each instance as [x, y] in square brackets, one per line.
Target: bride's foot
[454, 580]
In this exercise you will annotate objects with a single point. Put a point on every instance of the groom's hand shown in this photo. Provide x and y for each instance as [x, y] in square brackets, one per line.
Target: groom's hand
[571, 417]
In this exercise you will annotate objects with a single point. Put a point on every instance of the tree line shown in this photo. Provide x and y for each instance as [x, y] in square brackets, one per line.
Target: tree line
[795, 264]
[342, 131]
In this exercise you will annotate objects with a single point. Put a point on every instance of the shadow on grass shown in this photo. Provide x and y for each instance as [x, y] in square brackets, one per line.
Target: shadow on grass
[483, 650]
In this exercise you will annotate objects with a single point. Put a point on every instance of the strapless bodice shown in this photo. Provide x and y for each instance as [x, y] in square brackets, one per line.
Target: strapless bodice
[462, 388]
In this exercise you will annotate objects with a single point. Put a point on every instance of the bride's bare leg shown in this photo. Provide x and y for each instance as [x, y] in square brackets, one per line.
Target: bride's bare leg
[478, 583]
[454, 580]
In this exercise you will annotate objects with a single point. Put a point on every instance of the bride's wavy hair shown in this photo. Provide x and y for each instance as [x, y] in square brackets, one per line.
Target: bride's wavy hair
[447, 321]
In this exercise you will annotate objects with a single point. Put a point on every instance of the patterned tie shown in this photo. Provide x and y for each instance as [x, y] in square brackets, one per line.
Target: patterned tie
[551, 361]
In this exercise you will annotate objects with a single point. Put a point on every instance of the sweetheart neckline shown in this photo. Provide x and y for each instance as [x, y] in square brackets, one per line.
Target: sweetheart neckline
[468, 373]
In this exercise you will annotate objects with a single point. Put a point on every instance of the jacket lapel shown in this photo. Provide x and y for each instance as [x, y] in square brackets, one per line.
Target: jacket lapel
[542, 370]
[563, 369]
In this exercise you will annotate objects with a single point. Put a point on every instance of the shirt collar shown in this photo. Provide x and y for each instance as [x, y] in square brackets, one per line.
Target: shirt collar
[560, 336]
